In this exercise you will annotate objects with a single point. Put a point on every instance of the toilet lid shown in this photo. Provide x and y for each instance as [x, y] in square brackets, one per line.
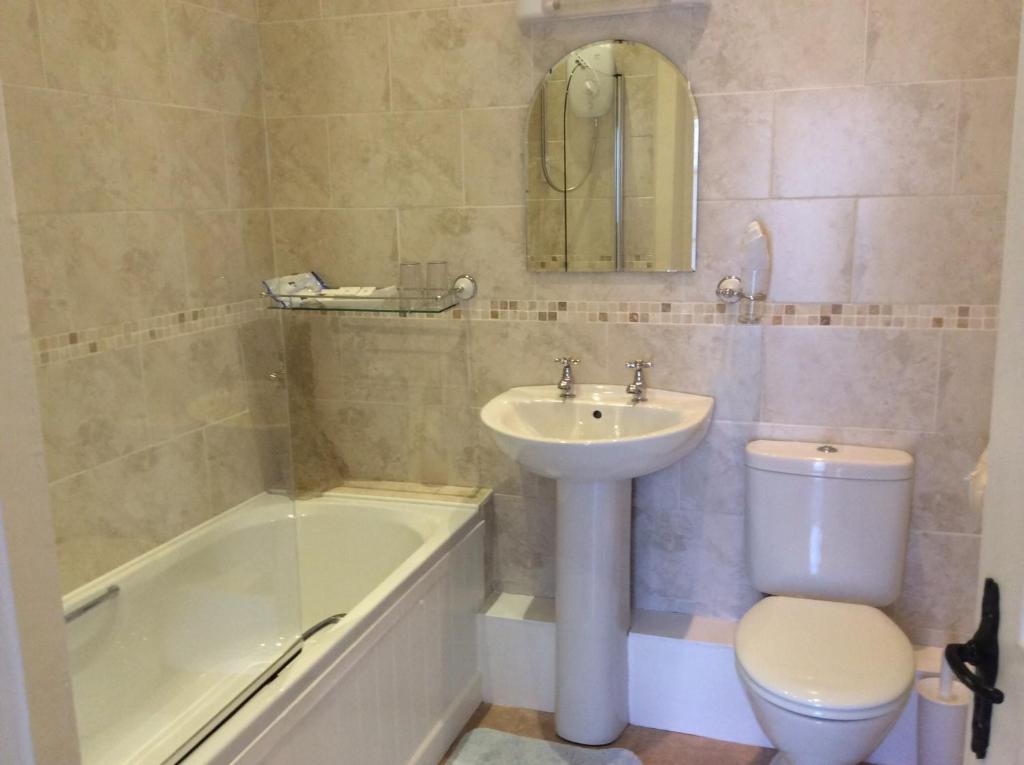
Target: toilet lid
[823, 655]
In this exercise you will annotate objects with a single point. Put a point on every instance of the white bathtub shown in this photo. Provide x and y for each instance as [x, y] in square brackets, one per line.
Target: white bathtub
[197, 619]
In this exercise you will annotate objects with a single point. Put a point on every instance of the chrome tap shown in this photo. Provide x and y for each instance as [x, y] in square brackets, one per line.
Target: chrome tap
[567, 384]
[638, 388]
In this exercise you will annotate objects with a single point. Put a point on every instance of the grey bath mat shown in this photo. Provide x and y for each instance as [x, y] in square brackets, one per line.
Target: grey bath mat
[484, 746]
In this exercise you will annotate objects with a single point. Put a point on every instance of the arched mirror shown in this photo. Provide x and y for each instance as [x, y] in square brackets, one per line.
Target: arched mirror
[612, 153]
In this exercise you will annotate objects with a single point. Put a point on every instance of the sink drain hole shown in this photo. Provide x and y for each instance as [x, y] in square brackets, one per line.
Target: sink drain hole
[597, 414]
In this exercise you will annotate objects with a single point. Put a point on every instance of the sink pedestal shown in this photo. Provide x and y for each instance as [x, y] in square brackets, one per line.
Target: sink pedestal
[593, 610]
[594, 445]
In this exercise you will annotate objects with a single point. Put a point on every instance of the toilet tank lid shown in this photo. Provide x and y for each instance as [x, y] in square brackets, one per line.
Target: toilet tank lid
[830, 460]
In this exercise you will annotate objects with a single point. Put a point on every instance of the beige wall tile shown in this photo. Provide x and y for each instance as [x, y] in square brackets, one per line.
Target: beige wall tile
[985, 131]
[48, 289]
[263, 354]
[940, 580]
[948, 248]
[506, 355]
[473, 241]
[21, 60]
[504, 475]
[695, 359]
[93, 410]
[171, 158]
[346, 247]
[228, 254]
[735, 146]
[334, 66]
[723, 585]
[214, 60]
[117, 47]
[436, 59]
[258, 244]
[713, 477]
[494, 143]
[235, 450]
[523, 545]
[850, 377]
[110, 514]
[941, 491]
[865, 141]
[318, 466]
[63, 150]
[245, 9]
[349, 7]
[396, 160]
[192, 381]
[370, 440]
[774, 44]
[312, 350]
[442, 446]
[422, 364]
[666, 551]
[299, 162]
[213, 252]
[94, 270]
[425, 61]
[812, 246]
[289, 10]
[965, 382]
[245, 144]
[915, 40]
[413, 5]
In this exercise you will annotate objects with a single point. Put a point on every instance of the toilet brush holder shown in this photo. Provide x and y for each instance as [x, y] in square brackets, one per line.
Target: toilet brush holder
[941, 721]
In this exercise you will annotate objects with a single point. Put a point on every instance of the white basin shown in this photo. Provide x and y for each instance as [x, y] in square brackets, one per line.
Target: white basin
[600, 435]
[594, 444]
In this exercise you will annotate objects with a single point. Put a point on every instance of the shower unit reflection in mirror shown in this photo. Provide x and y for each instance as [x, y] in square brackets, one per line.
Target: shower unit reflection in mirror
[593, 88]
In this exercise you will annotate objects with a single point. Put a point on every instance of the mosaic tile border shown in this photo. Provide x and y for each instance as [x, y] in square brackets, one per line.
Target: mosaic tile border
[870, 315]
[73, 345]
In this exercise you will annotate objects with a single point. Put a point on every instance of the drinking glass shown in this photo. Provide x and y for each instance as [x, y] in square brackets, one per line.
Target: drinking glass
[410, 279]
[437, 277]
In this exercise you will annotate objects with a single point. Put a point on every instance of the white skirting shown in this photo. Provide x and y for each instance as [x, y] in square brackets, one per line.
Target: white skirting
[681, 673]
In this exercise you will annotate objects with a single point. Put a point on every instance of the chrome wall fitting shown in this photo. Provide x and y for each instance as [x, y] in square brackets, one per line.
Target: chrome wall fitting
[730, 290]
[464, 287]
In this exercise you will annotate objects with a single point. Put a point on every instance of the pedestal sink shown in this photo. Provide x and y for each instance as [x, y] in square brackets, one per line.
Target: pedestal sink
[594, 444]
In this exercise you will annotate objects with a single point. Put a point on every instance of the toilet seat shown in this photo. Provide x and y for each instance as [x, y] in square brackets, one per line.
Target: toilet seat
[837, 661]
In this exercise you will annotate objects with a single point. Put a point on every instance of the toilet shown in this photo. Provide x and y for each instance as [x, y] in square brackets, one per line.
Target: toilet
[826, 672]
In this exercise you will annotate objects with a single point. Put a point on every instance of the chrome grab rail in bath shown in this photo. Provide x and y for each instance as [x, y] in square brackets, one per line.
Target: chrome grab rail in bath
[108, 594]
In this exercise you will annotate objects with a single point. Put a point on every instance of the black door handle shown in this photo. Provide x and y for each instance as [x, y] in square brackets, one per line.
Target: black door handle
[957, 655]
[982, 651]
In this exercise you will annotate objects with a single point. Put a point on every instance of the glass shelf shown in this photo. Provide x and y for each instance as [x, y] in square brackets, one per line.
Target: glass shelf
[424, 301]
[426, 304]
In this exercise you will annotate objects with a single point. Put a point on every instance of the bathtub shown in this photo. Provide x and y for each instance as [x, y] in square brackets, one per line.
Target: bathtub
[193, 624]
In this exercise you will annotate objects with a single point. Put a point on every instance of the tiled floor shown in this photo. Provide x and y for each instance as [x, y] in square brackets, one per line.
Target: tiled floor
[653, 747]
